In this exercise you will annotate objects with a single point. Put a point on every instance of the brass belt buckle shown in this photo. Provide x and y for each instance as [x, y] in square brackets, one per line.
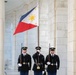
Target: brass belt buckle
[23, 62]
[38, 67]
[52, 64]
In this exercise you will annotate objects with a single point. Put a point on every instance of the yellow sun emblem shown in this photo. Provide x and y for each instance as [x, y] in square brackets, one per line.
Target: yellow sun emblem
[32, 17]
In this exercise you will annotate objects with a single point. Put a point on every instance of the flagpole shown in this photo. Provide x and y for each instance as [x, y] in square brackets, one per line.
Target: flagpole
[54, 23]
[38, 1]
[38, 35]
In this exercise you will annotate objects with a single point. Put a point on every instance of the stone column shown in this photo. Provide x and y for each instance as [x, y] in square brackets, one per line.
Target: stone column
[44, 26]
[71, 62]
[2, 37]
[61, 34]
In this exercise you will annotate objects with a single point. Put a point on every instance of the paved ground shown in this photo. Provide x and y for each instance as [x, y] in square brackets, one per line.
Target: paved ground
[13, 72]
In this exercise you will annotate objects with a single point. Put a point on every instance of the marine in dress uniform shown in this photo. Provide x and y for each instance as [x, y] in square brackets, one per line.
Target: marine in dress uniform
[24, 62]
[39, 63]
[52, 61]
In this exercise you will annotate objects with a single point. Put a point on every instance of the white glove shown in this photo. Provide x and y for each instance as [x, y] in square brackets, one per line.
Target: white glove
[19, 65]
[48, 63]
[46, 67]
[42, 72]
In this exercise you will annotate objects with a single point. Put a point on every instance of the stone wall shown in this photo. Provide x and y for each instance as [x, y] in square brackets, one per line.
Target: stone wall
[52, 30]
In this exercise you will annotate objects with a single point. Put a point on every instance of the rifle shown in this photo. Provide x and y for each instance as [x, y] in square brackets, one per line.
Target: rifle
[21, 53]
[49, 52]
[48, 59]
[20, 57]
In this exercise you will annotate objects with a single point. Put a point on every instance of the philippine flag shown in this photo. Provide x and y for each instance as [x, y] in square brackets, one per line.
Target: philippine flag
[27, 21]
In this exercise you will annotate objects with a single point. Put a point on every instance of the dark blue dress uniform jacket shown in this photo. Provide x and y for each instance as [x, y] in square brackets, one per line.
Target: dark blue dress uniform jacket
[38, 61]
[25, 61]
[54, 63]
